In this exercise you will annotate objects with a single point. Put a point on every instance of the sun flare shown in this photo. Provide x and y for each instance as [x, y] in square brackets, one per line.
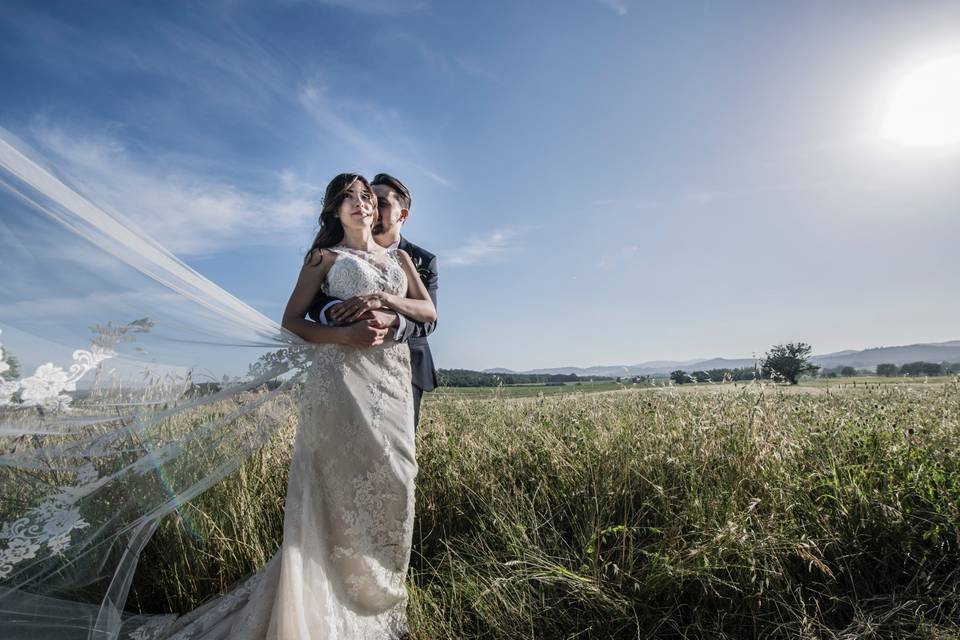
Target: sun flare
[924, 110]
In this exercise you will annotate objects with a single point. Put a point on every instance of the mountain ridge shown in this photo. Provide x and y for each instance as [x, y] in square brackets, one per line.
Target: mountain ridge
[869, 358]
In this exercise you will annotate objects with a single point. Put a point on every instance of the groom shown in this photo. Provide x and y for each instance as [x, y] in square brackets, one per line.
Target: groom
[393, 201]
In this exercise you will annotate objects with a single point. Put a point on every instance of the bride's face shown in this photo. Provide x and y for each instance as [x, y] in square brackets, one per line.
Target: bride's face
[358, 207]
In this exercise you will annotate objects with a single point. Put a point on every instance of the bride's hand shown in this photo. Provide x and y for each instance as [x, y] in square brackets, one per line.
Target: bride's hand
[364, 334]
[349, 311]
[384, 317]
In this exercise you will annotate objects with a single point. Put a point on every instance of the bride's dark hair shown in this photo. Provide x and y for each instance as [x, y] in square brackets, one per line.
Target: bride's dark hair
[331, 229]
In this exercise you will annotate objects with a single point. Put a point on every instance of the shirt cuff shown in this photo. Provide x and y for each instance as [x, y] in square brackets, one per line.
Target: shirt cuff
[323, 312]
[402, 324]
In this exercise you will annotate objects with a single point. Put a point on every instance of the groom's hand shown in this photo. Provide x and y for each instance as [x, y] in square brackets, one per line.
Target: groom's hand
[364, 334]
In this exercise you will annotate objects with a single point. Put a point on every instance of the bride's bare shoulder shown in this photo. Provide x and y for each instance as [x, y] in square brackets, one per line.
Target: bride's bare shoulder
[319, 258]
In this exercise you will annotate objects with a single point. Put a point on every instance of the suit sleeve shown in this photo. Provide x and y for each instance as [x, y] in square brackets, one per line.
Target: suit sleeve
[318, 304]
[423, 329]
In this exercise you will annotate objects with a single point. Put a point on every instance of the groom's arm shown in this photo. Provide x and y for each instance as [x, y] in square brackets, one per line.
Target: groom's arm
[415, 329]
[404, 327]
[323, 304]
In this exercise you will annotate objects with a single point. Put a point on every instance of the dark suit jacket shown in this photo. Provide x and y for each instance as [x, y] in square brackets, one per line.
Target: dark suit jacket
[415, 333]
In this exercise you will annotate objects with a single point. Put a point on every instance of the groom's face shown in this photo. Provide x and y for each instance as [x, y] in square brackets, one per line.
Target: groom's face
[392, 213]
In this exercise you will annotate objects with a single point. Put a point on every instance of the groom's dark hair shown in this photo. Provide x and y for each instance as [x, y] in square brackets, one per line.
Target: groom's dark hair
[387, 180]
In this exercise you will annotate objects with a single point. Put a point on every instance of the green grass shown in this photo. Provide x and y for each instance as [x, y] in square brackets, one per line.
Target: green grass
[745, 512]
[523, 390]
[534, 390]
[875, 380]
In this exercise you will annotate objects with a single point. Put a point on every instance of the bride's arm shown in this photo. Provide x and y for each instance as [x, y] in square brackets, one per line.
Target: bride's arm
[417, 303]
[315, 267]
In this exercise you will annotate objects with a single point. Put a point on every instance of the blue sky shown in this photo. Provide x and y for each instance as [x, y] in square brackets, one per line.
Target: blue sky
[606, 182]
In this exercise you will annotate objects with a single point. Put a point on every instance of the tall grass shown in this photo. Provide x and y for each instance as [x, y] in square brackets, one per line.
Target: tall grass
[749, 513]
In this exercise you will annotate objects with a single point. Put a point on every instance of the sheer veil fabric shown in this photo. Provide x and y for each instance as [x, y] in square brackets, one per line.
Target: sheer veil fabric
[129, 384]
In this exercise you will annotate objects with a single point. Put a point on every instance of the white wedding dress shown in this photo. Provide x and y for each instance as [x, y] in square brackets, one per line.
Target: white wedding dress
[348, 521]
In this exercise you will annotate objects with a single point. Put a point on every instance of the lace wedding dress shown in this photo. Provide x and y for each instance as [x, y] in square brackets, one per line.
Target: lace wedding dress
[348, 521]
[130, 384]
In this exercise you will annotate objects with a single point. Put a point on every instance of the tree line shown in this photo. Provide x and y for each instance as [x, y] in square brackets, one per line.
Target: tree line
[468, 378]
[787, 362]
[890, 370]
[715, 375]
[782, 363]
[919, 368]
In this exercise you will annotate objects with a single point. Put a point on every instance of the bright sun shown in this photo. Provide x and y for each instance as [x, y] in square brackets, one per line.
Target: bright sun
[925, 108]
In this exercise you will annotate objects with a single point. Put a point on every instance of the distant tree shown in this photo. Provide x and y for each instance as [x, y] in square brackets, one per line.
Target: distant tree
[743, 373]
[12, 369]
[921, 368]
[932, 369]
[911, 369]
[955, 367]
[887, 370]
[788, 361]
[469, 378]
[701, 376]
[679, 376]
[848, 372]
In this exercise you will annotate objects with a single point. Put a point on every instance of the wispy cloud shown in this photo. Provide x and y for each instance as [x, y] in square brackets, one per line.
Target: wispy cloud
[187, 203]
[474, 68]
[381, 140]
[707, 196]
[92, 304]
[314, 99]
[436, 177]
[490, 247]
[625, 203]
[619, 6]
[617, 256]
[187, 213]
[699, 196]
[434, 59]
[375, 7]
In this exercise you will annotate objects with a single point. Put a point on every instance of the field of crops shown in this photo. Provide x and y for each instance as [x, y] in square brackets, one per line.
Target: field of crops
[749, 511]
[528, 390]
[522, 390]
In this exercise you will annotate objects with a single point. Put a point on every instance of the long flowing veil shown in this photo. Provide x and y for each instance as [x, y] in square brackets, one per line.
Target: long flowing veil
[129, 384]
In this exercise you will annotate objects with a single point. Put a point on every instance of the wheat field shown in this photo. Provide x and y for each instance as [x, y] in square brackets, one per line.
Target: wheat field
[748, 511]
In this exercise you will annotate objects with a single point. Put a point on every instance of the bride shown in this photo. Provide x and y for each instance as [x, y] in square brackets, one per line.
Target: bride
[90, 465]
[348, 520]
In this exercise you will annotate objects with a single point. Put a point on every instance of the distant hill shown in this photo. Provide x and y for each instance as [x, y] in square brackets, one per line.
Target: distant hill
[722, 363]
[865, 359]
[870, 358]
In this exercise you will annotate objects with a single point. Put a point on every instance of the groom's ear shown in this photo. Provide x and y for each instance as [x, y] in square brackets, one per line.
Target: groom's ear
[404, 213]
